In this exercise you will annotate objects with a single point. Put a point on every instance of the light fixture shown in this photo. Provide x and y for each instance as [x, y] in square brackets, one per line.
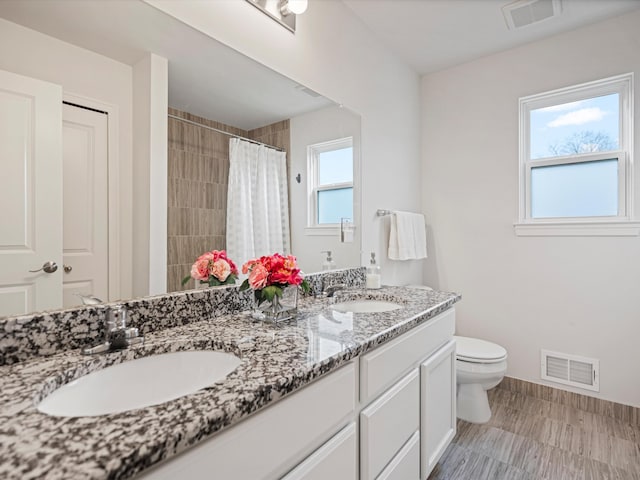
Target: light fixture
[282, 11]
[287, 7]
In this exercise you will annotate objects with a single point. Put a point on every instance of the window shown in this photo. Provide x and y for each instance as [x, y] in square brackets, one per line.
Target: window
[330, 176]
[575, 160]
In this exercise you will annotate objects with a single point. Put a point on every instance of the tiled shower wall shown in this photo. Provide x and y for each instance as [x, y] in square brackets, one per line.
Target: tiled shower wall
[197, 188]
[277, 135]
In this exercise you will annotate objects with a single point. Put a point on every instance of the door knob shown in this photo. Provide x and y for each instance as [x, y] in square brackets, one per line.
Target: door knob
[47, 267]
[67, 268]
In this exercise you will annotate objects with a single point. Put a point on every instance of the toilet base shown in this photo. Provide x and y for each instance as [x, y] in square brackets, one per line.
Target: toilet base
[472, 403]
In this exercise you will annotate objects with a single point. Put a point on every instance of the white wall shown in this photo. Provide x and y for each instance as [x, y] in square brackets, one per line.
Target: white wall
[323, 125]
[577, 295]
[150, 104]
[334, 54]
[85, 74]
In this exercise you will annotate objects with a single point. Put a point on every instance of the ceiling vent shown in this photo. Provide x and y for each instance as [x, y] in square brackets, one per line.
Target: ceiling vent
[525, 12]
[308, 91]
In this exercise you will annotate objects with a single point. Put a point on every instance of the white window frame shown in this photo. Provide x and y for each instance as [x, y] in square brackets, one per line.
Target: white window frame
[313, 153]
[619, 225]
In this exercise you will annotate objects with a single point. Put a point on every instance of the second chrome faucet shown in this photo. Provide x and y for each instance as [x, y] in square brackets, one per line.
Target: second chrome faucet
[117, 335]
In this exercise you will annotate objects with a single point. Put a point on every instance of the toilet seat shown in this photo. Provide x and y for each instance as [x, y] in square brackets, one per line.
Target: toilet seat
[474, 350]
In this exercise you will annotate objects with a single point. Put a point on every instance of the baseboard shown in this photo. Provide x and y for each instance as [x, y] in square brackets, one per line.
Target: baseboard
[618, 411]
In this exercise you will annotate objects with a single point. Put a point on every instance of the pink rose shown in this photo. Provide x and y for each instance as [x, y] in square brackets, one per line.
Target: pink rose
[247, 266]
[258, 276]
[290, 262]
[220, 269]
[200, 269]
[281, 276]
[232, 266]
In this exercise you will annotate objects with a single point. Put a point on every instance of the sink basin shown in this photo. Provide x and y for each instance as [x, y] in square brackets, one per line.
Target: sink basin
[365, 306]
[139, 383]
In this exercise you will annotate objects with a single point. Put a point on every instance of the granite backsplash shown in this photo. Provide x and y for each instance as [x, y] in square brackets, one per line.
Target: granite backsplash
[46, 333]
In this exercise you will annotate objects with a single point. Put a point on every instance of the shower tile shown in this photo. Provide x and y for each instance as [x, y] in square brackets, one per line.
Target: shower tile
[197, 191]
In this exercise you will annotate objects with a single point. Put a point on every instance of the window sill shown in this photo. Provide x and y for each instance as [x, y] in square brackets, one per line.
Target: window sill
[325, 230]
[578, 229]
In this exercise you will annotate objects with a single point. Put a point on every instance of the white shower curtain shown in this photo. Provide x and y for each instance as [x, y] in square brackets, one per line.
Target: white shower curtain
[257, 202]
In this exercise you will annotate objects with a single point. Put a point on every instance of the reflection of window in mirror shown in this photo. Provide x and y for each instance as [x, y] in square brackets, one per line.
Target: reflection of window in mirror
[330, 173]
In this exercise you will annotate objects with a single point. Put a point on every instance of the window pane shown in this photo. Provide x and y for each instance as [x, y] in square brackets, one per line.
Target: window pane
[588, 189]
[585, 126]
[335, 166]
[334, 205]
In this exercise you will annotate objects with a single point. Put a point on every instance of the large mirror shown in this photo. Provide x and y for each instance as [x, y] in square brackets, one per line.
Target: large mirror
[214, 91]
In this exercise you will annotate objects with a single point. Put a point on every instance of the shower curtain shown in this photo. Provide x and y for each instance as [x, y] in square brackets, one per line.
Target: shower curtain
[257, 202]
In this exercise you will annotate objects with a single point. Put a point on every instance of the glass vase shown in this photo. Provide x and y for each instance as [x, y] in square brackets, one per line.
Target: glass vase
[279, 308]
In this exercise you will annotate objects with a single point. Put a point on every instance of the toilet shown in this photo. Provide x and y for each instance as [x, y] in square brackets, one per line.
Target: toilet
[480, 365]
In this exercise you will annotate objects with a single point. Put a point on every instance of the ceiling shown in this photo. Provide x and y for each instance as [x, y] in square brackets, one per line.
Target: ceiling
[432, 35]
[206, 78]
[211, 80]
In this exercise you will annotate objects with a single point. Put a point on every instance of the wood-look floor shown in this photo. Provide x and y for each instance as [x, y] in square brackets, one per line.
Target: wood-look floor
[529, 439]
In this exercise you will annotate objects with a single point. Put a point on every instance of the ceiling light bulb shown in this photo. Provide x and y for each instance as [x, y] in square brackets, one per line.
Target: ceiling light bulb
[293, 6]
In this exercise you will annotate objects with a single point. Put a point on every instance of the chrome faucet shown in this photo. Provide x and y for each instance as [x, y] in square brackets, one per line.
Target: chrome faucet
[332, 289]
[88, 299]
[117, 335]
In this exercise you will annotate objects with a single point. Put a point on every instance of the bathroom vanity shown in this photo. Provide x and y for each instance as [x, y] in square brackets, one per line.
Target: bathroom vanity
[335, 394]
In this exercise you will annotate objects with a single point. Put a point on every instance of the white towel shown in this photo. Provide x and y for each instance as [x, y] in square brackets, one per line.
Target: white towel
[408, 236]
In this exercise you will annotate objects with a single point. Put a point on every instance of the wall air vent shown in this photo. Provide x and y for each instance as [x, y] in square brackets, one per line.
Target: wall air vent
[525, 12]
[571, 370]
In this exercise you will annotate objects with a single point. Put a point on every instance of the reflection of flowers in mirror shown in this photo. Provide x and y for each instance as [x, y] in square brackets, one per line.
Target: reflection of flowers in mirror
[214, 268]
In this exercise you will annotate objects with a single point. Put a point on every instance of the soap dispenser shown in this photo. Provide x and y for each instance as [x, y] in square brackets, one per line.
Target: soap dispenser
[374, 273]
[328, 263]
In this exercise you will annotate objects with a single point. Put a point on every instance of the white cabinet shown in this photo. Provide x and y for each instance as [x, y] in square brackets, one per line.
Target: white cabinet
[437, 405]
[406, 415]
[336, 460]
[410, 385]
[387, 424]
[382, 367]
[269, 444]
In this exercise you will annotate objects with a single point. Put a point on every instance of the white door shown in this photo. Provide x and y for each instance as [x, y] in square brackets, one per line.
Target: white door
[30, 194]
[85, 207]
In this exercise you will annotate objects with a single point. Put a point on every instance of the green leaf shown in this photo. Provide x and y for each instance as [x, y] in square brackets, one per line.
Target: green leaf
[185, 280]
[245, 285]
[306, 288]
[271, 291]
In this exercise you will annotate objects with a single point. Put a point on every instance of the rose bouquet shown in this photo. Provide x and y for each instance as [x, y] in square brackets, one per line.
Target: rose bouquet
[213, 268]
[270, 275]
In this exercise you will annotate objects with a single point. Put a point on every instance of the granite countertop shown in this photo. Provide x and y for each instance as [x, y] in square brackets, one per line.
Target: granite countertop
[276, 360]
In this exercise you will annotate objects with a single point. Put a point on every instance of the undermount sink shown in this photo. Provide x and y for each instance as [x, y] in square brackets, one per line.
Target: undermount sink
[365, 306]
[139, 383]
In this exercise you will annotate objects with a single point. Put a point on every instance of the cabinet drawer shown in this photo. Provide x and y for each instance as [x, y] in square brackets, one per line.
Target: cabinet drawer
[335, 460]
[380, 368]
[387, 424]
[406, 464]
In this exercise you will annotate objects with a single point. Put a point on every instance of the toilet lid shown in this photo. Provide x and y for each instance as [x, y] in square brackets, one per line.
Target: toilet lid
[478, 351]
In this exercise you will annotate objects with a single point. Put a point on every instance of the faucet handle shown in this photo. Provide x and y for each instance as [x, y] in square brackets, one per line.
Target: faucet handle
[117, 317]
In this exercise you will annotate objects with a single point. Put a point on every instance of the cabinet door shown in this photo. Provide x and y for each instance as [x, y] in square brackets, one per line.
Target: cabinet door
[437, 405]
[335, 460]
